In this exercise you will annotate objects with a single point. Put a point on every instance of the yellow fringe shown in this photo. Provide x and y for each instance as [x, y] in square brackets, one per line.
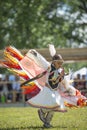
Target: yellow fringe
[10, 58]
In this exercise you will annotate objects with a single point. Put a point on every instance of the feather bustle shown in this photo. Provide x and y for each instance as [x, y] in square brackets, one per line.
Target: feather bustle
[52, 50]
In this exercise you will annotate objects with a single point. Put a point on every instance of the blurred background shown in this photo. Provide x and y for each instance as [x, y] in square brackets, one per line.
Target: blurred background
[28, 24]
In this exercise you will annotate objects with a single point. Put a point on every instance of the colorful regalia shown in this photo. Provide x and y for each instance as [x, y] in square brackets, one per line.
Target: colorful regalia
[39, 93]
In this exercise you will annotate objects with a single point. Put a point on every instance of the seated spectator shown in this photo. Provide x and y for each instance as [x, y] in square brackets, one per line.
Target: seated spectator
[1, 84]
[12, 80]
[5, 89]
[77, 82]
[16, 88]
[16, 84]
[3, 98]
[9, 97]
[84, 81]
[9, 83]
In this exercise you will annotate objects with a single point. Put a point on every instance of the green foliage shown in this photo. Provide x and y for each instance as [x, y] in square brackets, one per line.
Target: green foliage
[75, 66]
[35, 23]
[26, 118]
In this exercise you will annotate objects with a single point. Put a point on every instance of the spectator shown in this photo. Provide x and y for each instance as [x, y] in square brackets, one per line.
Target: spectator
[3, 98]
[16, 84]
[1, 85]
[9, 83]
[77, 82]
[16, 88]
[5, 89]
[84, 81]
[12, 80]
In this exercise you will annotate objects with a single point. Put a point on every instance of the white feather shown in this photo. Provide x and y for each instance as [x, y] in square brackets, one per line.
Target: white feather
[52, 50]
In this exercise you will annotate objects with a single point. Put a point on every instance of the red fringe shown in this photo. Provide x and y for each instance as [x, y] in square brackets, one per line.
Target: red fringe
[14, 53]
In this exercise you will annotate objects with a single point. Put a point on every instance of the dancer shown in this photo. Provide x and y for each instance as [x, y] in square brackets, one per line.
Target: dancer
[45, 83]
[56, 75]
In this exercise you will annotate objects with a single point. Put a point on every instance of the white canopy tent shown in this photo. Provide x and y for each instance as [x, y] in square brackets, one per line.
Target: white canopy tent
[0, 75]
[82, 71]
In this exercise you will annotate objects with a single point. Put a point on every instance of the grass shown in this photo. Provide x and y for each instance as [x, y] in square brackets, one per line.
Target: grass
[26, 118]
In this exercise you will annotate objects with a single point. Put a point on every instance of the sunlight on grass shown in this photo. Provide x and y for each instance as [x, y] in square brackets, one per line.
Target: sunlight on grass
[26, 118]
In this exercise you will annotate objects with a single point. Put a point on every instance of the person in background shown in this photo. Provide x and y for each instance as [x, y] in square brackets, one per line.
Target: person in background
[16, 87]
[1, 87]
[1, 84]
[84, 81]
[77, 82]
[7, 88]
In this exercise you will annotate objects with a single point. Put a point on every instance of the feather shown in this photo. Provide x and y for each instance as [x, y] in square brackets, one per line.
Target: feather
[14, 52]
[33, 91]
[21, 73]
[52, 50]
[7, 64]
[10, 58]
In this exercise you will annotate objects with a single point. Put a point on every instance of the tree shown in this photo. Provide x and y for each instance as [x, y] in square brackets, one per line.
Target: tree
[36, 23]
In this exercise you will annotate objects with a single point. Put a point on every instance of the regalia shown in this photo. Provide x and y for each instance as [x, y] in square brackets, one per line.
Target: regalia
[30, 65]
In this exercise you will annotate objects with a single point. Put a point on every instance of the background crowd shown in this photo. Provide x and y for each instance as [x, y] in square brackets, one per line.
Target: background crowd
[80, 83]
[10, 90]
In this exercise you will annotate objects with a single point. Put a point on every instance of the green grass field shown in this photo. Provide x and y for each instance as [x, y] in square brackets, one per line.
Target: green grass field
[26, 118]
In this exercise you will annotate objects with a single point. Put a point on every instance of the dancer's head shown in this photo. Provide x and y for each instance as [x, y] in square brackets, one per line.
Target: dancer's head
[57, 60]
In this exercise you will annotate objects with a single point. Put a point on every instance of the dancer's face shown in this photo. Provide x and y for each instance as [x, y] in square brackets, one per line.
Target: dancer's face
[57, 64]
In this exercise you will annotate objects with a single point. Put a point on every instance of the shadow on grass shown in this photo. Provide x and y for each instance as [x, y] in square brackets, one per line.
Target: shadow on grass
[38, 128]
[24, 128]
